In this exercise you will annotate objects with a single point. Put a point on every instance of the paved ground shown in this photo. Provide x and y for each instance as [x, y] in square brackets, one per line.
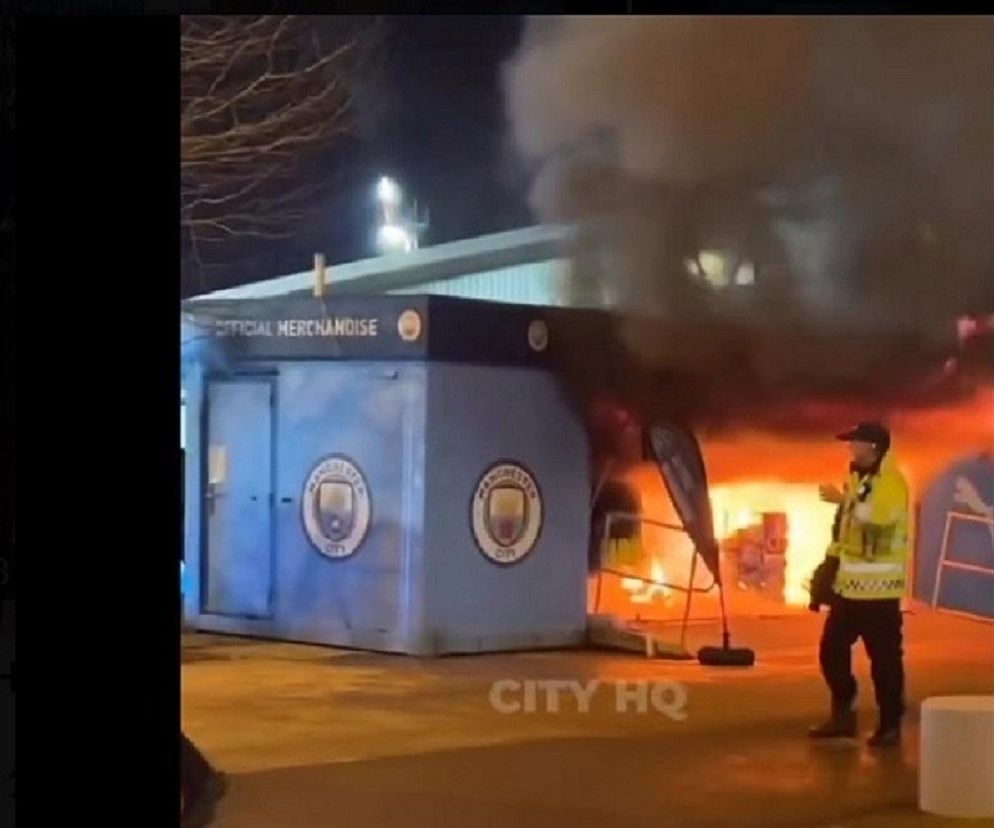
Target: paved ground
[317, 737]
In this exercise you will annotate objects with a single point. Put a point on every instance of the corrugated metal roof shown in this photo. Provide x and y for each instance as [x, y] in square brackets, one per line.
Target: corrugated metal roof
[399, 271]
[534, 283]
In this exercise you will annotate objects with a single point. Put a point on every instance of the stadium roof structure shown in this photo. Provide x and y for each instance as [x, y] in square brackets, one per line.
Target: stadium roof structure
[404, 271]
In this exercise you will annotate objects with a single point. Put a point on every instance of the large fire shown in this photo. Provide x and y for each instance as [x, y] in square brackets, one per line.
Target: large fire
[755, 475]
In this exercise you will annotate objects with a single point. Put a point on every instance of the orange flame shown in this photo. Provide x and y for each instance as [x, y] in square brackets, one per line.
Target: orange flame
[643, 592]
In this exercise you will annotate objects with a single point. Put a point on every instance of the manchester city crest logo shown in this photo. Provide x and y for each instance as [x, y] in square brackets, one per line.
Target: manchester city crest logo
[538, 335]
[409, 325]
[506, 513]
[336, 507]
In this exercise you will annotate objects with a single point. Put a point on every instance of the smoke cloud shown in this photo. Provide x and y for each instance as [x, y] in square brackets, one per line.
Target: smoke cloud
[778, 208]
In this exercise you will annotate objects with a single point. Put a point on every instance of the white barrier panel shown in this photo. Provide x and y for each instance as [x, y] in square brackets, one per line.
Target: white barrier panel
[956, 774]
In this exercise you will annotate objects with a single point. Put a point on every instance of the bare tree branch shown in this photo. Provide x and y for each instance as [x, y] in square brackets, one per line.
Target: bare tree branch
[261, 97]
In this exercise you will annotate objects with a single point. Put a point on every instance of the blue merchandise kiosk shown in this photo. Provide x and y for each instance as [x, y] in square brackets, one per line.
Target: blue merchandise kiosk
[394, 473]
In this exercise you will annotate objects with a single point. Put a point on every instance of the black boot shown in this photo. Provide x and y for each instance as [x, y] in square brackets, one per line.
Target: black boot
[842, 725]
[885, 737]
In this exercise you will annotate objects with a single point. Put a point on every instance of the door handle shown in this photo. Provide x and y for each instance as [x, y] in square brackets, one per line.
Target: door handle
[212, 495]
[286, 500]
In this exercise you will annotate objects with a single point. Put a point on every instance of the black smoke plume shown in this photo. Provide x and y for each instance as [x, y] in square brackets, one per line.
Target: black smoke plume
[780, 212]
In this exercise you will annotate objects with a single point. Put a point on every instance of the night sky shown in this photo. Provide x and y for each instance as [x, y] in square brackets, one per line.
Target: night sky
[436, 123]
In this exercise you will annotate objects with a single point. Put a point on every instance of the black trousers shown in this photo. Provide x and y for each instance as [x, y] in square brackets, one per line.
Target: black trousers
[878, 623]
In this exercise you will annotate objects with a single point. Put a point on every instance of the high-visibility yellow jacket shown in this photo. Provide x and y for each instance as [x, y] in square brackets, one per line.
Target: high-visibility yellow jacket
[872, 538]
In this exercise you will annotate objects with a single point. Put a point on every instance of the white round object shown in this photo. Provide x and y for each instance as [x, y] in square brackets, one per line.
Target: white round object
[956, 772]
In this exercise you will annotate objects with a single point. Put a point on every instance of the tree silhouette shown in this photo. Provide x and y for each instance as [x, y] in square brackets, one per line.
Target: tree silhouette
[261, 98]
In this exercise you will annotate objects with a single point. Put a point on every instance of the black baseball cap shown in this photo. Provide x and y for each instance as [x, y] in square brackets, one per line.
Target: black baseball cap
[867, 432]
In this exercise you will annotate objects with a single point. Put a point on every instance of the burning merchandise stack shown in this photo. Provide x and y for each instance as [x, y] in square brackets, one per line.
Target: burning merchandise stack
[755, 555]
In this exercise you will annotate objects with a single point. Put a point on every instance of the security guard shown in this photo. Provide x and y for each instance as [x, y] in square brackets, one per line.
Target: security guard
[862, 581]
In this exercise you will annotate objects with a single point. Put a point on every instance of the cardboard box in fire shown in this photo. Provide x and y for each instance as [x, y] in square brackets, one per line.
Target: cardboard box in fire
[755, 554]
